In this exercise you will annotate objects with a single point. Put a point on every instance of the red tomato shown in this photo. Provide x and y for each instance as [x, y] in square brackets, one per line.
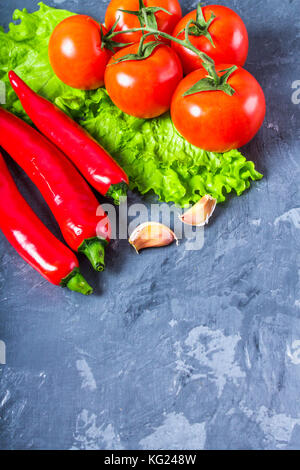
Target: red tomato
[143, 88]
[229, 35]
[215, 121]
[165, 22]
[75, 52]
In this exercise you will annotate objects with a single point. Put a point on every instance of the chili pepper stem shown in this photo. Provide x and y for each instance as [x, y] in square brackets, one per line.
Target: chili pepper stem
[94, 250]
[76, 282]
[117, 191]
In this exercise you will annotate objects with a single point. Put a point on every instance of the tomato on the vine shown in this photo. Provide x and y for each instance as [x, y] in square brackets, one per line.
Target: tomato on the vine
[214, 120]
[143, 88]
[75, 52]
[165, 22]
[218, 31]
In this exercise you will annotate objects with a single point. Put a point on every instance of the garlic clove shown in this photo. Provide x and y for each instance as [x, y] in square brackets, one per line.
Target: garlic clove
[151, 234]
[199, 214]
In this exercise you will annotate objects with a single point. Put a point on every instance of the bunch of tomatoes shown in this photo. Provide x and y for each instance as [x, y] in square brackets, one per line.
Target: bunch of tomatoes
[151, 59]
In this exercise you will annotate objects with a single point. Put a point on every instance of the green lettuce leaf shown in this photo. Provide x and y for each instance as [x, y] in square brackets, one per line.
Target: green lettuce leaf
[152, 152]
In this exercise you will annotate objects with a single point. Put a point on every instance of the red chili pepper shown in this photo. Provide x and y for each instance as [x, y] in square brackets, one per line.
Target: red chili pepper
[96, 165]
[33, 241]
[84, 224]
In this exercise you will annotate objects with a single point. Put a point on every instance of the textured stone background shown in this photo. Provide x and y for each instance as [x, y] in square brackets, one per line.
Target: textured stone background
[178, 349]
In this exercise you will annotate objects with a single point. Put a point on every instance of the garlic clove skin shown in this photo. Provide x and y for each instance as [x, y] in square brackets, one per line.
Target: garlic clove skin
[200, 213]
[150, 235]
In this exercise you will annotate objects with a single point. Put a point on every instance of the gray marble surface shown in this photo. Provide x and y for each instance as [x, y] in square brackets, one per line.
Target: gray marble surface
[178, 349]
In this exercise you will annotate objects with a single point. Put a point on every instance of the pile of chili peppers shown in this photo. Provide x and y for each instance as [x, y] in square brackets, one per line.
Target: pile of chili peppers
[58, 159]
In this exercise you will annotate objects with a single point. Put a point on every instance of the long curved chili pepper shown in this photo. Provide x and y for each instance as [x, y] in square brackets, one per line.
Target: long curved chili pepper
[33, 241]
[95, 164]
[84, 225]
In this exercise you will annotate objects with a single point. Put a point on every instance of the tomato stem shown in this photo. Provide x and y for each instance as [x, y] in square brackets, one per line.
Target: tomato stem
[185, 43]
[211, 82]
[200, 26]
[146, 15]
